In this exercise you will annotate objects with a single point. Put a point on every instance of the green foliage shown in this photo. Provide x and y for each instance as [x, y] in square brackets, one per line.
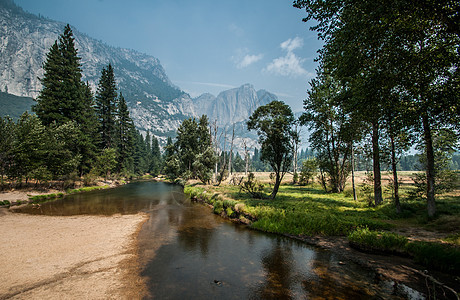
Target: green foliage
[253, 187]
[192, 155]
[436, 256]
[308, 171]
[106, 107]
[42, 198]
[218, 207]
[389, 76]
[333, 131]
[125, 136]
[432, 255]
[106, 162]
[274, 125]
[62, 97]
[378, 241]
[203, 164]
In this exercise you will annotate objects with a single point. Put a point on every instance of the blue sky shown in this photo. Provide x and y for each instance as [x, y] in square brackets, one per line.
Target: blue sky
[204, 45]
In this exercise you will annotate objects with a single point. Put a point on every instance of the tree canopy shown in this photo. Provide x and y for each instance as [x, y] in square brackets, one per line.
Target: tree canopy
[274, 125]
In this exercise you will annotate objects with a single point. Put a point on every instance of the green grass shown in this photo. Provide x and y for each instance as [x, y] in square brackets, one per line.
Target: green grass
[429, 254]
[310, 211]
[374, 240]
[48, 197]
[42, 198]
[87, 189]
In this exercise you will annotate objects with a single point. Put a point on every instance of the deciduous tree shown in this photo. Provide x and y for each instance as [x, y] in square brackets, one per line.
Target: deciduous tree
[274, 124]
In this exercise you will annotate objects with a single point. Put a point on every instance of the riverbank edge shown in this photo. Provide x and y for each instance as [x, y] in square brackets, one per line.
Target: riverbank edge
[399, 270]
[34, 196]
[135, 286]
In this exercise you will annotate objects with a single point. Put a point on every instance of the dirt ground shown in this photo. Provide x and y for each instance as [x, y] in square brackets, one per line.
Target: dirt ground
[80, 257]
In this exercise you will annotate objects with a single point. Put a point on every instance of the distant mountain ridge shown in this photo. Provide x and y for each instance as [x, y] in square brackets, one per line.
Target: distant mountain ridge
[155, 103]
[234, 105]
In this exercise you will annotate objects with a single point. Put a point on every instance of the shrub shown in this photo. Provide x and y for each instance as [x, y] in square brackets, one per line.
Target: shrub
[437, 256]
[218, 207]
[308, 172]
[253, 187]
[230, 213]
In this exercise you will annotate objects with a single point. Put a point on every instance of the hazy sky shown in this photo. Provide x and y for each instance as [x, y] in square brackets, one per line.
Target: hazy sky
[204, 45]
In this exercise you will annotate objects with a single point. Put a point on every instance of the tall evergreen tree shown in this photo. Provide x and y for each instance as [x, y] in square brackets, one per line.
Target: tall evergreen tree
[88, 131]
[60, 99]
[106, 101]
[156, 157]
[7, 134]
[125, 138]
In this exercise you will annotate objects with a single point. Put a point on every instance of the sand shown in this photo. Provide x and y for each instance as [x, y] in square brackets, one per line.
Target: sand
[79, 257]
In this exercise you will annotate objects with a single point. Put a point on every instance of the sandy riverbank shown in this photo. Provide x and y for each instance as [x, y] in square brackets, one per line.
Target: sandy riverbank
[80, 257]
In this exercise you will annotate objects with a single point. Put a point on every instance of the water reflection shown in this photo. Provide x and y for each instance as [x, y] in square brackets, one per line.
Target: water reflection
[127, 199]
[186, 252]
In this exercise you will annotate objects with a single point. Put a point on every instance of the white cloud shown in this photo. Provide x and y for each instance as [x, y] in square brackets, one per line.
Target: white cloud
[292, 44]
[290, 64]
[248, 60]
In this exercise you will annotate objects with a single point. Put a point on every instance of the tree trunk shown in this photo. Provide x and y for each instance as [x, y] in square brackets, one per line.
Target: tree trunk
[353, 172]
[395, 174]
[378, 199]
[430, 176]
[276, 187]
[231, 153]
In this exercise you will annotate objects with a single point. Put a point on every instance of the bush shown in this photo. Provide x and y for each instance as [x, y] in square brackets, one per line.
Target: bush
[218, 207]
[308, 172]
[436, 256]
[253, 187]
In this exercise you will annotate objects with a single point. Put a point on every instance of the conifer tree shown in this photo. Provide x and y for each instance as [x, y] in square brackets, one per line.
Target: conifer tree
[125, 138]
[156, 157]
[88, 131]
[60, 99]
[106, 99]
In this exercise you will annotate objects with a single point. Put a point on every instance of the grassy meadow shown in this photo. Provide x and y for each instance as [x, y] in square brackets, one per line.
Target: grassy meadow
[308, 210]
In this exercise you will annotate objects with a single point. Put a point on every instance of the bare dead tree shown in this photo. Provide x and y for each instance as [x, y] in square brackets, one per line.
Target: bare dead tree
[246, 157]
[298, 130]
[231, 152]
[220, 176]
[214, 129]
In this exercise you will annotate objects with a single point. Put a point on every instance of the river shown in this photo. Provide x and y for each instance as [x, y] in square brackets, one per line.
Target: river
[186, 252]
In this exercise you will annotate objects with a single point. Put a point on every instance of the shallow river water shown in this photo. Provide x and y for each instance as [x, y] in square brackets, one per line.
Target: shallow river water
[186, 252]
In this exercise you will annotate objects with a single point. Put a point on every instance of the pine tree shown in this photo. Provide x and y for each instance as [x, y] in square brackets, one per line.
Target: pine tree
[140, 154]
[156, 157]
[125, 138]
[88, 131]
[60, 99]
[106, 99]
[66, 98]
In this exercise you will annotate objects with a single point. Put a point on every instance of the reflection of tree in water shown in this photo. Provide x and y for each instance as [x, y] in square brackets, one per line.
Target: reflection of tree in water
[194, 232]
[333, 281]
[279, 277]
